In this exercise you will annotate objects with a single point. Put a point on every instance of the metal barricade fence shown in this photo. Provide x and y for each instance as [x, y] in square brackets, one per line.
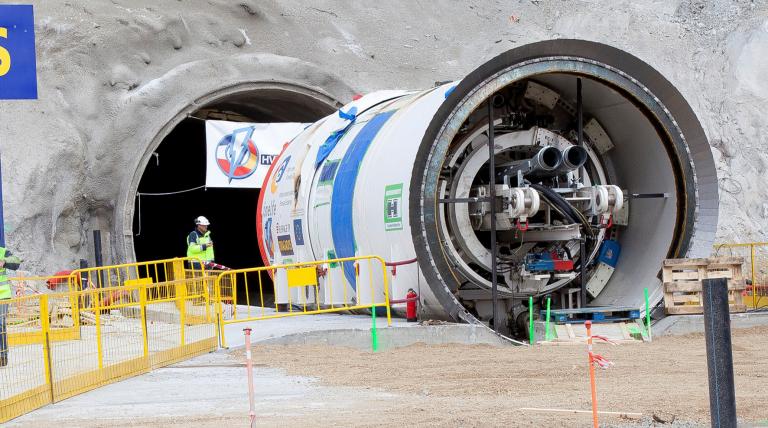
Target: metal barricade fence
[300, 286]
[756, 254]
[28, 285]
[122, 331]
[229, 299]
[135, 273]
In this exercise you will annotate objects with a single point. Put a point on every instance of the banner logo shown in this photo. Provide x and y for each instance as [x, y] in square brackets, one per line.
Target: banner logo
[237, 155]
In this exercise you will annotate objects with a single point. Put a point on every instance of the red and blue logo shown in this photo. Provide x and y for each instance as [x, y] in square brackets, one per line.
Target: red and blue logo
[237, 155]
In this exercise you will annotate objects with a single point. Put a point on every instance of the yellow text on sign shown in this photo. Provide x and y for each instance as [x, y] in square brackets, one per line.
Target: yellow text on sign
[5, 56]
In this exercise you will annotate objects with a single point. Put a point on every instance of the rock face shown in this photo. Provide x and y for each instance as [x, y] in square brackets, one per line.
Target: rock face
[113, 74]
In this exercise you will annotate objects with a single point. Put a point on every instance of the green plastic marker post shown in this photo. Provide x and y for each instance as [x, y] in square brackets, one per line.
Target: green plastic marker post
[374, 336]
[530, 318]
[647, 315]
[547, 334]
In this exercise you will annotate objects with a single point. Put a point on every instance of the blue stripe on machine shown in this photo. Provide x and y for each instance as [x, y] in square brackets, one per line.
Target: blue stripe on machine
[343, 192]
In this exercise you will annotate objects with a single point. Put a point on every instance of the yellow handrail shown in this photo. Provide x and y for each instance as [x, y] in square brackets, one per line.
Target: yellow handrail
[231, 275]
[117, 339]
[753, 258]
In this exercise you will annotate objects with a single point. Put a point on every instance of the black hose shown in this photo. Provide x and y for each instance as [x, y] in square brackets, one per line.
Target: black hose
[558, 200]
[564, 206]
[571, 215]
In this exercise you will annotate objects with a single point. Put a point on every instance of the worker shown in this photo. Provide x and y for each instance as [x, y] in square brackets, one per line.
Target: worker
[199, 244]
[7, 262]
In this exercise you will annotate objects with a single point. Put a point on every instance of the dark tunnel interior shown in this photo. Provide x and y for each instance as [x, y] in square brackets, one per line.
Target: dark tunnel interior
[166, 207]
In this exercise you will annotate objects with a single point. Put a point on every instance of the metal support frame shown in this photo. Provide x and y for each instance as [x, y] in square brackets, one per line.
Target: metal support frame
[583, 273]
[582, 244]
[463, 200]
[580, 123]
[651, 195]
[491, 199]
[492, 196]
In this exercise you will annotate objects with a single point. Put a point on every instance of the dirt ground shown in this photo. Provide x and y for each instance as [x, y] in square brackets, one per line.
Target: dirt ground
[468, 386]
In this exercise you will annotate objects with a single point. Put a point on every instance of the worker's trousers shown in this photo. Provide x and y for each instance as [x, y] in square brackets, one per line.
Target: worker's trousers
[3, 334]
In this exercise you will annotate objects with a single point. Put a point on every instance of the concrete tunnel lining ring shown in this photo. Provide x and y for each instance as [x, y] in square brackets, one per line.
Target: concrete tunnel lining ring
[446, 123]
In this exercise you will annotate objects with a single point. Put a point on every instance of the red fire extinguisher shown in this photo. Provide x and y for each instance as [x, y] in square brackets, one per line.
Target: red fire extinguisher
[410, 305]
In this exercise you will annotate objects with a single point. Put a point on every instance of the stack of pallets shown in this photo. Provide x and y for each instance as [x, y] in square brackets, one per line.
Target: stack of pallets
[682, 283]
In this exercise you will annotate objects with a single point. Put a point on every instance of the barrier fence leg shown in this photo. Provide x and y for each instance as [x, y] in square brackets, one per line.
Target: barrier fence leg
[717, 330]
[374, 335]
[647, 316]
[547, 333]
[97, 313]
[592, 385]
[249, 364]
[181, 294]
[531, 331]
[219, 314]
[46, 328]
[754, 280]
[144, 330]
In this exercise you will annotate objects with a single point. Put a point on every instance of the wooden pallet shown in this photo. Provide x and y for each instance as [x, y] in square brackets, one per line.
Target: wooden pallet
[593, 313]
[682, 283]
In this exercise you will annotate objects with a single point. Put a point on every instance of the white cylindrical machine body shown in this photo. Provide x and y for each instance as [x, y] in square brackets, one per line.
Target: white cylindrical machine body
[353, 199]
[375, 179]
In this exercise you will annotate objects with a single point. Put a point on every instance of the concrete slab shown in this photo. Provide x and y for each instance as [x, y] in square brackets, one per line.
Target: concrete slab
[351, 331]
[676, 325]
[395, 337]
[279, 327]
[214, 385]
[207, 387]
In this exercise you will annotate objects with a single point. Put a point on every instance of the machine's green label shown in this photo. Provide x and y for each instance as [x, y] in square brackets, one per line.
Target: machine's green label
[330, 255]
[393, 211]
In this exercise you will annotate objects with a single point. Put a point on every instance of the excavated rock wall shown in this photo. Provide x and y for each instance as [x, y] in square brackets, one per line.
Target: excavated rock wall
[113, 74]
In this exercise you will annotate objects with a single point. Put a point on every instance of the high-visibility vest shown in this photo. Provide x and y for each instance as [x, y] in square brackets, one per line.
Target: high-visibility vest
[195, 250]
[5, 284]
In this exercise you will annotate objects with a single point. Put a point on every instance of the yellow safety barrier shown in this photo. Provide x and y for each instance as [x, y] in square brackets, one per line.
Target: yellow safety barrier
[29, 284]
[145, 320]
[300, 279]
[34, 285]
[228, 292]
[757, 254]
[117, 275]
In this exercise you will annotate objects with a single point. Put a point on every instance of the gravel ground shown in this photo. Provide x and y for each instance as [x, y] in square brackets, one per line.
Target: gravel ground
[454, 385]
[426, 386]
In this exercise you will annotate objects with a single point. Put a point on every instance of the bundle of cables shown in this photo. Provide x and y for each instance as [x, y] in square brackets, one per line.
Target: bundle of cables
[570, 214]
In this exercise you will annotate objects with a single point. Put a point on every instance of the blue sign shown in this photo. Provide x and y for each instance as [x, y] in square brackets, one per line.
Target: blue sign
[18, 71]
[298, 233]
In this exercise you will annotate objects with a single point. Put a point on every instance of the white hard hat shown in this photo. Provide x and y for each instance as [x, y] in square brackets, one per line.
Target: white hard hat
[202, 220]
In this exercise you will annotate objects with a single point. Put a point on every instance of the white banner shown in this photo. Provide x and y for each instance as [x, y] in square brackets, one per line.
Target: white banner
[238, 154]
